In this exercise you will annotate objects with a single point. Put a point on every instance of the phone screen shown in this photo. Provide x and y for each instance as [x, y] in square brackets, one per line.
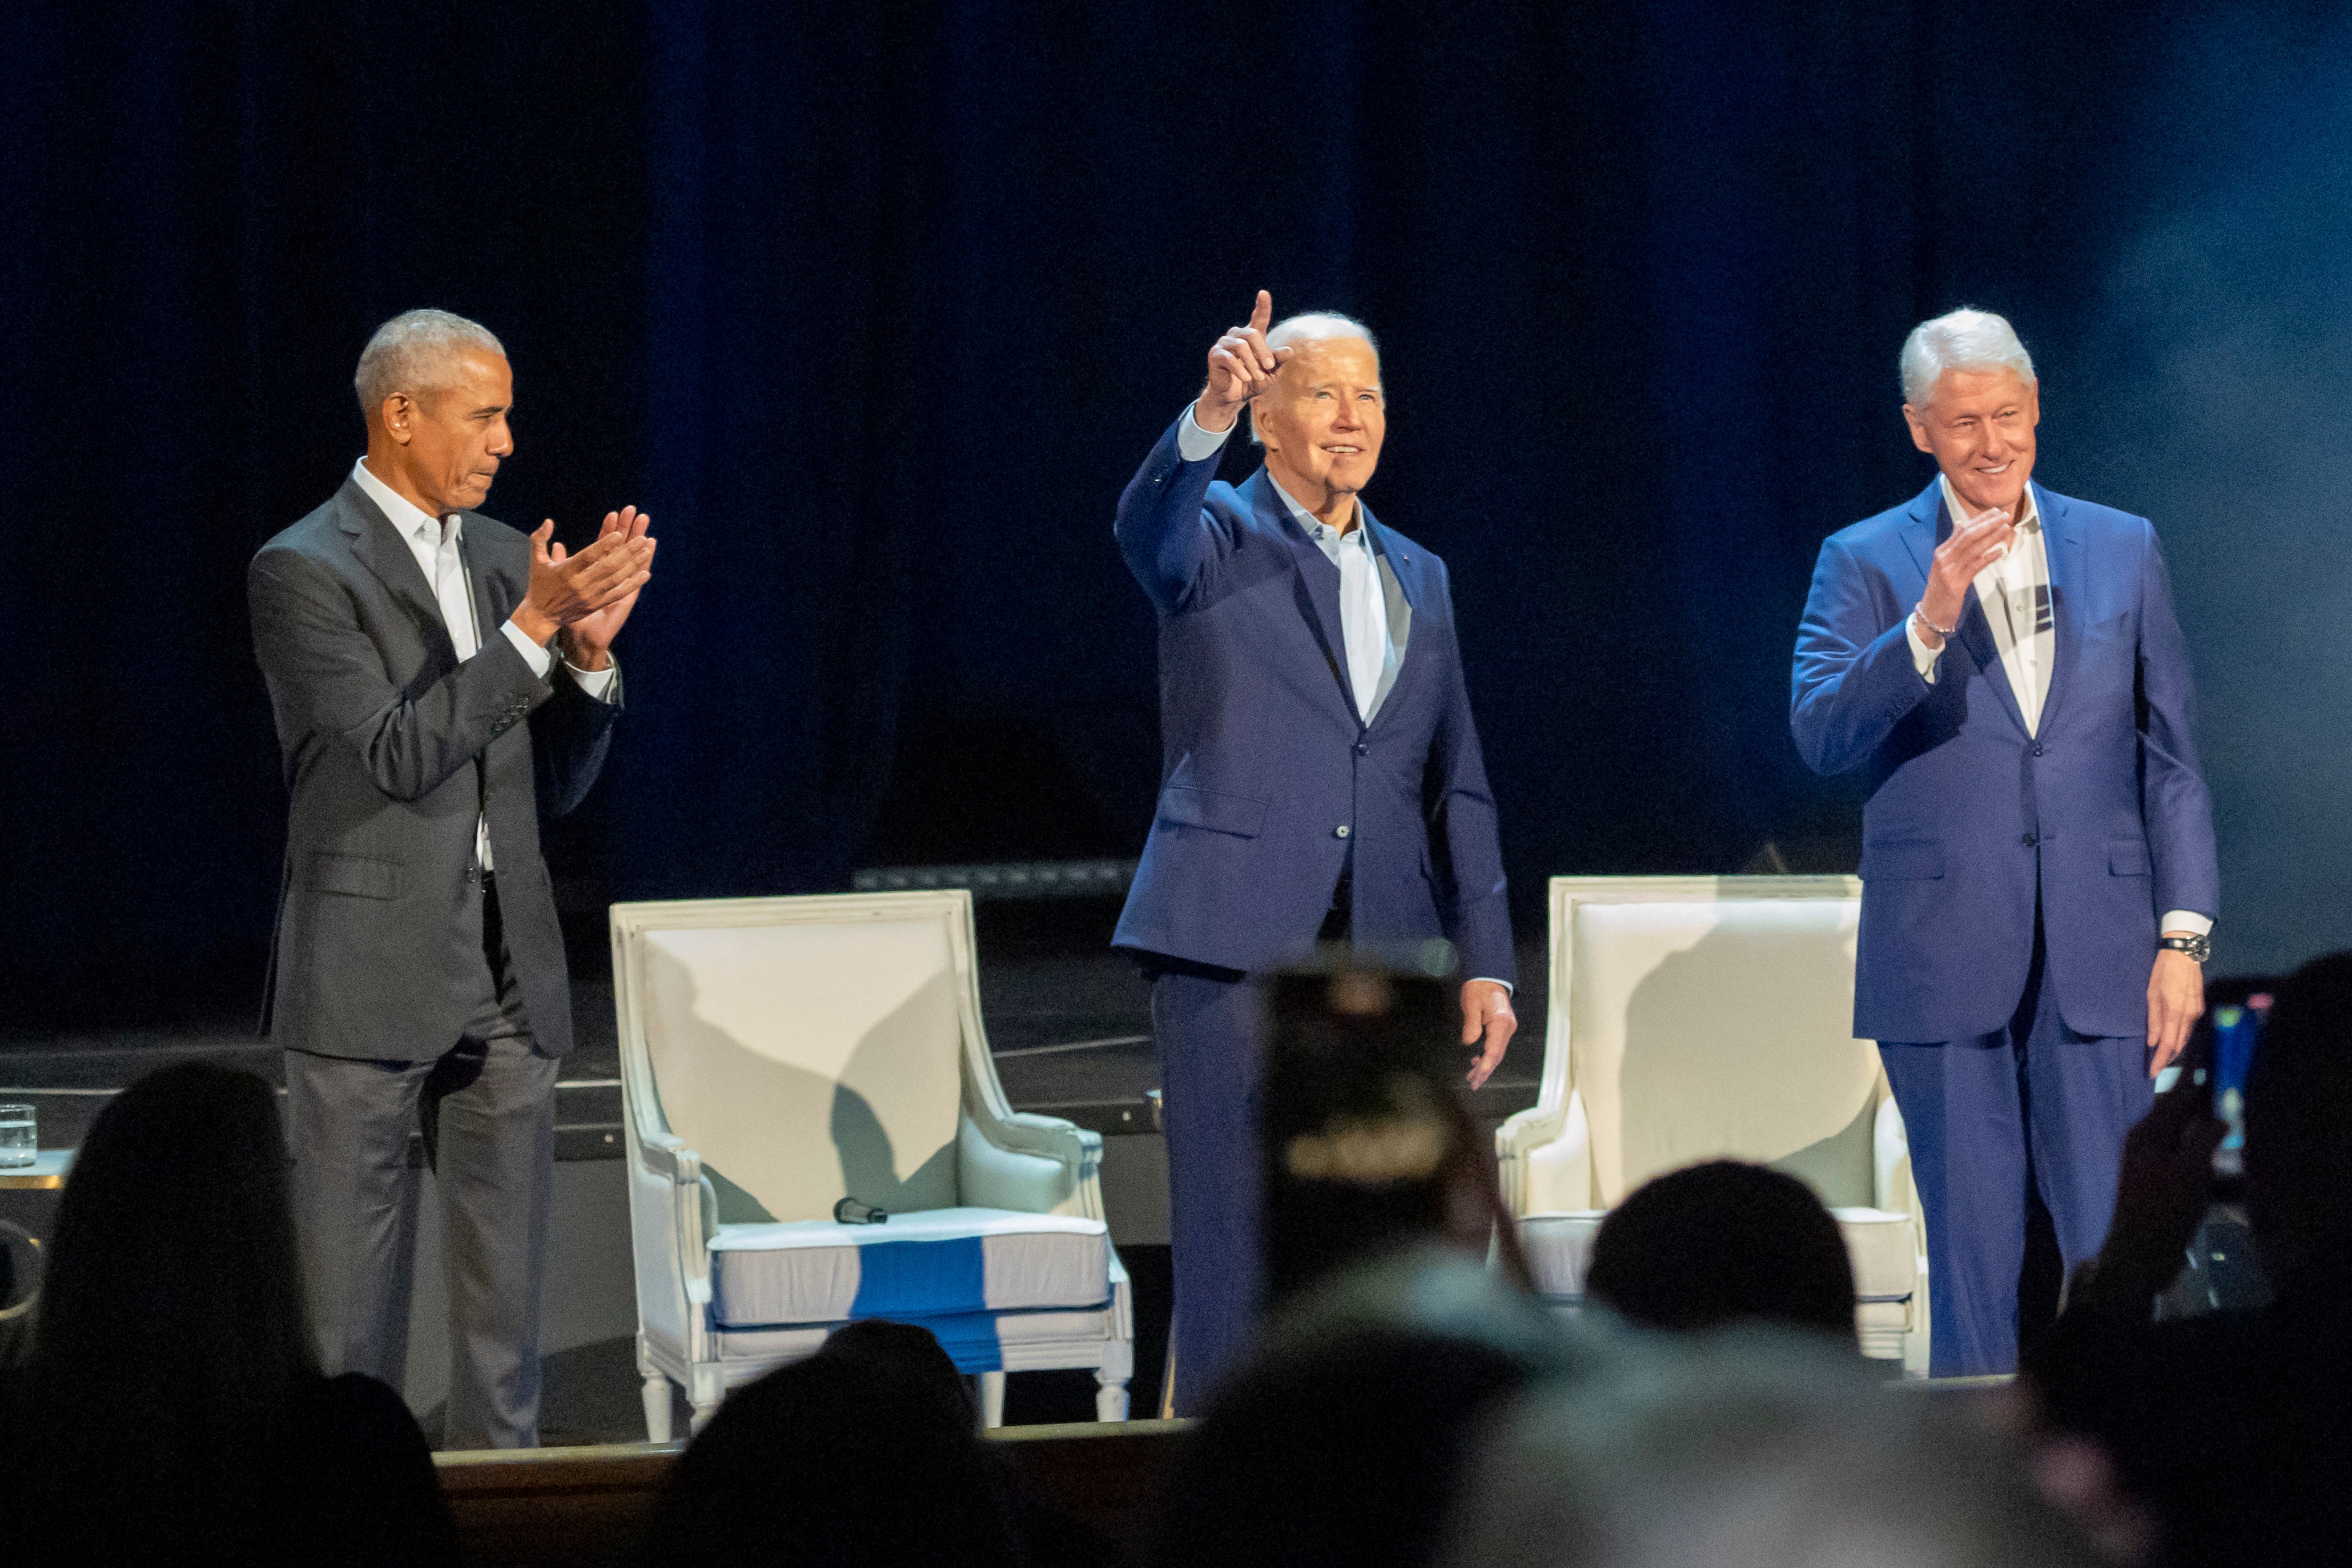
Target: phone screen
[2236, 1032]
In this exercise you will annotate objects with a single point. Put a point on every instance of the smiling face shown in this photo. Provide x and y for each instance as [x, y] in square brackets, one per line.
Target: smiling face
[1979, 426]
[446, 444]
[1324, 421]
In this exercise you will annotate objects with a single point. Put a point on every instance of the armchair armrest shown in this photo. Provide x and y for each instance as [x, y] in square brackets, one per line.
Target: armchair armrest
[1030, 1164]
[682, 1209]
[1546, 1157]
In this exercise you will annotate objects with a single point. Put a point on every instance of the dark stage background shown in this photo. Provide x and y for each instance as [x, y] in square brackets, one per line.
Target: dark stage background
[877, 307]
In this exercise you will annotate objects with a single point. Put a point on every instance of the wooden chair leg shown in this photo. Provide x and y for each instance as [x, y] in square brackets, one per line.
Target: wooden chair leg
[1110, 1399]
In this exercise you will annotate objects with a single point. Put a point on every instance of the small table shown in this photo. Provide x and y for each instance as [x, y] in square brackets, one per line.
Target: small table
[46, 1171]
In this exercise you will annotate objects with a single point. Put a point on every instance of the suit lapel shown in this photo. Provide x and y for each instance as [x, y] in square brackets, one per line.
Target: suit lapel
[490, 597]
[1402, 566]
[1317, 580]
[1931, 524]
[382, 552]
[2062, 538]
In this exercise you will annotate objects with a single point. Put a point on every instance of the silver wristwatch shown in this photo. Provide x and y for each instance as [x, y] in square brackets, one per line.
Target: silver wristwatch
[2198, 948]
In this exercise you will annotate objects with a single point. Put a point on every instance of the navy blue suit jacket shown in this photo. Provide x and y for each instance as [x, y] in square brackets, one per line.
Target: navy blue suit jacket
[1269, 780]
[2103, 811]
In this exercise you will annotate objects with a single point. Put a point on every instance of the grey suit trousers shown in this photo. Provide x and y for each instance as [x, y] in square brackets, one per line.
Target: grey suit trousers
[484, 1104]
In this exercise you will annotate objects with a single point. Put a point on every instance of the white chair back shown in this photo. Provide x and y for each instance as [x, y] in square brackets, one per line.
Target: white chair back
[1711, 1017]
[808, 1048]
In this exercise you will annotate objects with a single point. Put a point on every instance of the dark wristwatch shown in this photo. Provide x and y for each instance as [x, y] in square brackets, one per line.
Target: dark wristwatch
[2198, 948]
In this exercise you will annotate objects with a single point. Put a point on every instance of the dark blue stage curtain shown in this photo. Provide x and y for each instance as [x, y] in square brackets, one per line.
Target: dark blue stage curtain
[877, 307]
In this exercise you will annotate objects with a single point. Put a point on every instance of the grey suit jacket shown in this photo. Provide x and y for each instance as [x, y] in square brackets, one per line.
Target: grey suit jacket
[393, 749]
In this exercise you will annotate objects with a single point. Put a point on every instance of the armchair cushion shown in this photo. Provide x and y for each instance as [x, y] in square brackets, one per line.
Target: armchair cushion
[928, 1264]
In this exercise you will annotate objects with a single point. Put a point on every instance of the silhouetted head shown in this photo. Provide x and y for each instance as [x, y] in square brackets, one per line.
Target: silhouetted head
[849, 1459]
[1721, 1243]
[1367, 1144]
[1336, 1442]
[2298, 1093]
[172, 1287]
[905, 1351]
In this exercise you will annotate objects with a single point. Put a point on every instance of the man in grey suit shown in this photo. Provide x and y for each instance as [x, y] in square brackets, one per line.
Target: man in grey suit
[417, 977]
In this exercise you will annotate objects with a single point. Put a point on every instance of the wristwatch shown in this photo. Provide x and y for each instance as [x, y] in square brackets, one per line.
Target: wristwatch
[2198, 948]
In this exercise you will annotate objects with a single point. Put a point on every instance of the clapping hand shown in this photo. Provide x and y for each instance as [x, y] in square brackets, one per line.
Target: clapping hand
[587, 596]
[1240, 367]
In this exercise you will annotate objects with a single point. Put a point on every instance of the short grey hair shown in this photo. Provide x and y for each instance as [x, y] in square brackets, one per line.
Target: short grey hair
[1313, 326]
[1967, 339]
[412, 354]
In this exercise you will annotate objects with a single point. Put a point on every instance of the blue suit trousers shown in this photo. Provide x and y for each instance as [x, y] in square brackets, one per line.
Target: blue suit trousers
[2032, 1103]
[1211, 1032]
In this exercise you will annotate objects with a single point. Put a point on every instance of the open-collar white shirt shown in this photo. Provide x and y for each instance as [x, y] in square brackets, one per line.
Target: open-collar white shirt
[437, 544]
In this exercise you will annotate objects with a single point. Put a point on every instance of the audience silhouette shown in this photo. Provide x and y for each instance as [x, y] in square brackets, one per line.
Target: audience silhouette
[171, 1409]
[1755, 1446]
[868, 1452]
[2230, 1427]
[1722, 1243]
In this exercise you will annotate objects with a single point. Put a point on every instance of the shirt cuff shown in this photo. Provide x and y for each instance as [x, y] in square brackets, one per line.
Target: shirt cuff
[596, 683]
[1192, 443]
[2188, 920]
[1509, 989]
[538, 658]
[1923, 658]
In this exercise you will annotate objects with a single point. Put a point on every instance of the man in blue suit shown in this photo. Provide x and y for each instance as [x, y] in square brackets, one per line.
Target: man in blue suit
[1321, 776]
[2039, 881]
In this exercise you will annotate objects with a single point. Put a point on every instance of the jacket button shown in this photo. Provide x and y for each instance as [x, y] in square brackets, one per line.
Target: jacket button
[2037, 750]
[1341, 831]
[2029, 841]
[1363, 748]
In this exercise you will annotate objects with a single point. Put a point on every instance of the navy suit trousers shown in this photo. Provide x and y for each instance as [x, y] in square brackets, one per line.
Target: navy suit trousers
[1211, 1032]
[2033, 1103]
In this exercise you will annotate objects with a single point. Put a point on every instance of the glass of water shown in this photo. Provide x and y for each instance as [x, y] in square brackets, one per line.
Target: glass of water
[19, 1137]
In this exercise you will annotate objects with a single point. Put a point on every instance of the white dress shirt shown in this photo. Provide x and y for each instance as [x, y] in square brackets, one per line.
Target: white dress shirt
[1373, 649]
[437, 544]
[2014, 594]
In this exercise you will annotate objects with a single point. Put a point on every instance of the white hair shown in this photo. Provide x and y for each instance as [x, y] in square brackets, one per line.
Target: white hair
[413, 353]
[1967, 339]
[1314, 326]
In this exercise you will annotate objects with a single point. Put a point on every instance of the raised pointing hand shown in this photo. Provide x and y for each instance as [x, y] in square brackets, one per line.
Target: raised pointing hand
[1240, 367]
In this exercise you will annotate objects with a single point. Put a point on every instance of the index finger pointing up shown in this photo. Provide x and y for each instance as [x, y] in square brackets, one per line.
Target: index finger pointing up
[1262, 312]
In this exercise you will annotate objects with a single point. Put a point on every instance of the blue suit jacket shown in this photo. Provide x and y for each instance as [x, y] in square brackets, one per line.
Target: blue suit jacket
[1268, 780]
[2103, 811]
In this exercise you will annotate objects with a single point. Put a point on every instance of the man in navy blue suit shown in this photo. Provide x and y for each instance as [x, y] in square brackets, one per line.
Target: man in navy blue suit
[2039, 881]
[1321, 776]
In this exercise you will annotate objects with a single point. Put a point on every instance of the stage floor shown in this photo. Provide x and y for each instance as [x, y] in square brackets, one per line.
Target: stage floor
[1069, 1022]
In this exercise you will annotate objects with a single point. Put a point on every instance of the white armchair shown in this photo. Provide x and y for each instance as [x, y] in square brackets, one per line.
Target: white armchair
[778, 1055]
[1703, 1018]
